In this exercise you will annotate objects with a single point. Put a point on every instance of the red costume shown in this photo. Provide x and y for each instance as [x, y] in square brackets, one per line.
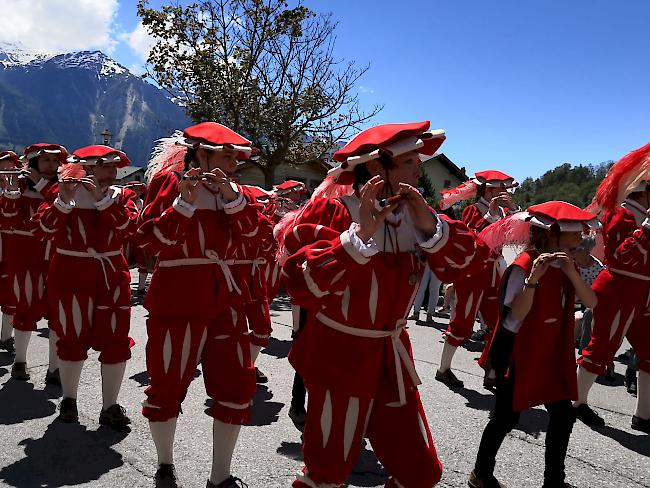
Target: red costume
[9, 161]
[354, 352]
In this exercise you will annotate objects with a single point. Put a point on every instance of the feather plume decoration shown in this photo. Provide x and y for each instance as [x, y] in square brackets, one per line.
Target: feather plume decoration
[466, 191]
[513, 230]
[71, 170]
[622, 178]
[167, 156]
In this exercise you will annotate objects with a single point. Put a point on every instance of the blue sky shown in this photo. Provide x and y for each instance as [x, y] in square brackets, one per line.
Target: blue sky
[521, 86]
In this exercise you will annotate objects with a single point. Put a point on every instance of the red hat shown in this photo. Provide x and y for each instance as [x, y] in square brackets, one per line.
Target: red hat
[467, 190]
[10, 156]
[44, 148]
[569, 217]
[393, 139]
[214, 137]
[93, 155]
[494, 178]
[289, 185]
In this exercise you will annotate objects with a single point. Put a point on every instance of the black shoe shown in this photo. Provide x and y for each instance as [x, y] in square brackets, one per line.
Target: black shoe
[479, 335]
[230, 482]
[449, 378]
[641, 424]
[298, 416]
[166, 477]
[610, 376]
[53, 377]
[68, 411]
[489, 383]
[588, 416]
[8, 345]
[630, 381]
[491, 482]
[114, 417]
[19, 372]
[260, 377]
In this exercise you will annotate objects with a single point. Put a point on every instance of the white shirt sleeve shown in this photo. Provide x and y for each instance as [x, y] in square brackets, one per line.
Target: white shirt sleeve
[514, 287]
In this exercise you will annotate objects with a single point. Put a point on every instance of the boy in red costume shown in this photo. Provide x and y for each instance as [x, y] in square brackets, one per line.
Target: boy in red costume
[194, 220]
[624, 200]
[87, 224]
[29, 254]
[354, 266]
[478, 293]
[532, 350]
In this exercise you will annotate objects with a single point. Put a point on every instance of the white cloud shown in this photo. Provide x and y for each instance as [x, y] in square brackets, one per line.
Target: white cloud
[59, 25]
[365, 89]
[139, 40]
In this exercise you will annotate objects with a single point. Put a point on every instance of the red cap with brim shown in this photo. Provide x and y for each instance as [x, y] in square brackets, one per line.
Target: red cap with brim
[393, 139]
[36, 150]
[494, 178]
[289, 185]
[93, 155]
[10, 156]
[569, 217]
[214, 137]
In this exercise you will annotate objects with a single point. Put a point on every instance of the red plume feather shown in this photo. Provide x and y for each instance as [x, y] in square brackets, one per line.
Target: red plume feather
[513, 230]
[71, 170]
[466, 191]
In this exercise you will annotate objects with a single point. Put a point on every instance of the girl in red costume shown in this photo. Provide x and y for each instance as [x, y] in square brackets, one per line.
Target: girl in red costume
[29, 254]
[194, 219]
[532, 351]
[89, 280]
[478, 293]
[354, 266]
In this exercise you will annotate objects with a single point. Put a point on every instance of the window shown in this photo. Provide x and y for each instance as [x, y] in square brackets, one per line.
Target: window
[447, 184]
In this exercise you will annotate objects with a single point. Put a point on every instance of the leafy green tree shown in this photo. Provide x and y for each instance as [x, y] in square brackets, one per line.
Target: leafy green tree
[264, 69]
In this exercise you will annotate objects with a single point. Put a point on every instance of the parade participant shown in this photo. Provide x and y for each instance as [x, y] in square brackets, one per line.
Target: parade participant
[9, 169]
[532, 350]
[477, 294]
[88, 223]
[354, 266]
[29, 254]
[431, 283]
[624, 201]
[143, 261]
[192, 219]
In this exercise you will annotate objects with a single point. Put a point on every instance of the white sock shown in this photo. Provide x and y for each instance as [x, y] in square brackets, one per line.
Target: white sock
[54, 358]
[7, 327]
[142, 280]
[163, 437]
[70, 372]
[112, 376]
[21, 343]
[448, 352]
[224, 438]
[586, 380]
[295, 318]
[255, 351]
[643, 395]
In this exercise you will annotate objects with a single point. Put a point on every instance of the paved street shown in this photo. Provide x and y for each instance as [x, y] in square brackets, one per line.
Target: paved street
[36, 451]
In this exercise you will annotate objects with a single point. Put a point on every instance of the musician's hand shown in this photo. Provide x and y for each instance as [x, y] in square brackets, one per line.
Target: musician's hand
[91, 184]
[422, 216]
[32, 174]
[220, 180]
[189, 187]
[370, 218]
[67, 191]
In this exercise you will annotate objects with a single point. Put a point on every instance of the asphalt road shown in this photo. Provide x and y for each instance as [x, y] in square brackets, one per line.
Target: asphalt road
[37, 451]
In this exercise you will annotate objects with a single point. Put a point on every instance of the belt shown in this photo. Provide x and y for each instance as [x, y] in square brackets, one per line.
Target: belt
[102, 257]
[400, 353]
[630, 274]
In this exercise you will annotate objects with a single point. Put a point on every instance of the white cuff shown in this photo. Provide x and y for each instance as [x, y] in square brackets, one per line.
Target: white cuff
[491, 218]
[105, 202]
[439, 239]
[646, 223]
[12, 194]
[42, 183]
[236, 205]
[62, 206]
[356, 248]
[183, 208]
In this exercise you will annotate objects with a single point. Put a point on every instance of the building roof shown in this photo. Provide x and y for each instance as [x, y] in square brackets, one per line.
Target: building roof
[450, 165]
[128, 171]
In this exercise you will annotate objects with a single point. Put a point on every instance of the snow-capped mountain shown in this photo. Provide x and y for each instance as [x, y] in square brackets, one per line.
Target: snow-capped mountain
[72, 98]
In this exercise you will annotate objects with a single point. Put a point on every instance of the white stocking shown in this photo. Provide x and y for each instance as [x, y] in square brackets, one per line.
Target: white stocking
[224, 438]
[7, 327]
[21, 338]
[54, 358]
[70, 372]
[142, 280]
[255, 351]
[112, 376]
[448, 352]
[643, 396]
[163, 438]
[586, 380]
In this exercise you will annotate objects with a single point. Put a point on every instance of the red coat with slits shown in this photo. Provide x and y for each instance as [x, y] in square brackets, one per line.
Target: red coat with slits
[327, 275]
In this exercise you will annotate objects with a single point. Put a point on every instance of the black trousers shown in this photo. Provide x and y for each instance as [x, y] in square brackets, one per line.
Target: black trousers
[504, 419]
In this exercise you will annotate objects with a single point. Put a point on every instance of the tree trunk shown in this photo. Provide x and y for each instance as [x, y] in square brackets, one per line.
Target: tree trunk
[269, 176]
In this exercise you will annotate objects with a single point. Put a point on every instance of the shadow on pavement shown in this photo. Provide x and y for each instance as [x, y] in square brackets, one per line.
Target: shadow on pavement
[475, 399]
[6, 358]
[264, 412]
[638, 443]
[277, 348]
[19, 401]
[142, 378]
[43, 332]
[533, 422]
[67, 454]
[281, 303]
